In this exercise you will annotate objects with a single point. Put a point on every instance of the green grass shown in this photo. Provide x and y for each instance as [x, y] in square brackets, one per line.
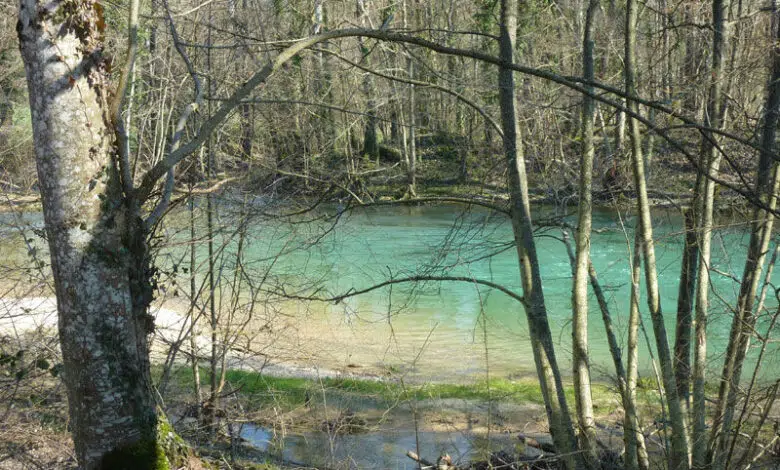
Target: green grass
[263, 389]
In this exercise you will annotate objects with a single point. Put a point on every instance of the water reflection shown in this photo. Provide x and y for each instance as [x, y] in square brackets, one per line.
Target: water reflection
[380, 449]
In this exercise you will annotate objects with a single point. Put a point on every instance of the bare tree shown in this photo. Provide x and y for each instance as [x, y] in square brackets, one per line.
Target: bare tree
[535, 309]
[581, 357]
[679, 455]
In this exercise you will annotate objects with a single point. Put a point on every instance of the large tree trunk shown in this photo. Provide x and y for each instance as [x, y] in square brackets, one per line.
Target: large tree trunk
[679, 455]
[536, 311]
[97, 244]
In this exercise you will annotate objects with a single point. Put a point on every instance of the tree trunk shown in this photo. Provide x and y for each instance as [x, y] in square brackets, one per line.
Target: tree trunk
[411, 169]
[634, 442]
[581, 359]
[213, 400]
[370, 139]
[536, 311]
[631, 420]
[247, 131]
[96, 240]
[194, 294]
[685, 295]
[710, 163]
[767, 186]
[678, 457]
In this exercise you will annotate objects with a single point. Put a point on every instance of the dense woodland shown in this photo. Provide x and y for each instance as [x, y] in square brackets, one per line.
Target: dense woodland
[115, 115]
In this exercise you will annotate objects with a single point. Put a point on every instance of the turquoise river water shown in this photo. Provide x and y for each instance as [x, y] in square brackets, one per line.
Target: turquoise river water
[443, 330]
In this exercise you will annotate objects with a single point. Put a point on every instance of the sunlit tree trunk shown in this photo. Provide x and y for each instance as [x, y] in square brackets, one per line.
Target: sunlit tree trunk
[631, 418]
[323, 83]
[370, 138]
[581, 357]
[536, 312]
[679, 455]
[411, 169]
[213, 400]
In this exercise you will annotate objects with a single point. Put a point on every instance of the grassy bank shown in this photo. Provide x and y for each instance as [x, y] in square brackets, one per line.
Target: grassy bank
[289, 392]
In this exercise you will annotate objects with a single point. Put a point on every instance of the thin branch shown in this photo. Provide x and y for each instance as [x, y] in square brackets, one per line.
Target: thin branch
[410, 81]
[115, 108]
[352, 292]
[575, 83]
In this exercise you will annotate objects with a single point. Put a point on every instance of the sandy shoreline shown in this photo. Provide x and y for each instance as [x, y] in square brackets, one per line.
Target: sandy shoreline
[22, 316]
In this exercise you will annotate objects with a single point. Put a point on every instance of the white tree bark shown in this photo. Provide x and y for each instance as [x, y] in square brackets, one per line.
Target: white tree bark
[581, 358]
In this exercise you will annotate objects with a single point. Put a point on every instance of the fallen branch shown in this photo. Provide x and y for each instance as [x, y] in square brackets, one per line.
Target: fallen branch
[420, 460]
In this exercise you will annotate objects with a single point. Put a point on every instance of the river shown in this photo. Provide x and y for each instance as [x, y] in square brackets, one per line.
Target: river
[454, 330]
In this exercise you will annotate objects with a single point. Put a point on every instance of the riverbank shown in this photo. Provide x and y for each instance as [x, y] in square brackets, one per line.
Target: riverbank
[372, 424]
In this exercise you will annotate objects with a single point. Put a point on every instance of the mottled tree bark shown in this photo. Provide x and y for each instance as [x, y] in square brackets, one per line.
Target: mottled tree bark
[96, 240]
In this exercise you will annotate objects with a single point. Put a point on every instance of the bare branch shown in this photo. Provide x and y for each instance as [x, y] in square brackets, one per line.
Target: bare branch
[574, 83]
[352, 293]
[115, 109]
[410, 81]
[165, 200]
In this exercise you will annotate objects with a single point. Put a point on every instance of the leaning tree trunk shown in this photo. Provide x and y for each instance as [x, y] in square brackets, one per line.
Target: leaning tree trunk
[678, 457]
[536, 311]
[97, 245]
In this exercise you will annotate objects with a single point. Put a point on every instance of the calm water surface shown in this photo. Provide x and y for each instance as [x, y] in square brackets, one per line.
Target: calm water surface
[441, 329]
[448, 330]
